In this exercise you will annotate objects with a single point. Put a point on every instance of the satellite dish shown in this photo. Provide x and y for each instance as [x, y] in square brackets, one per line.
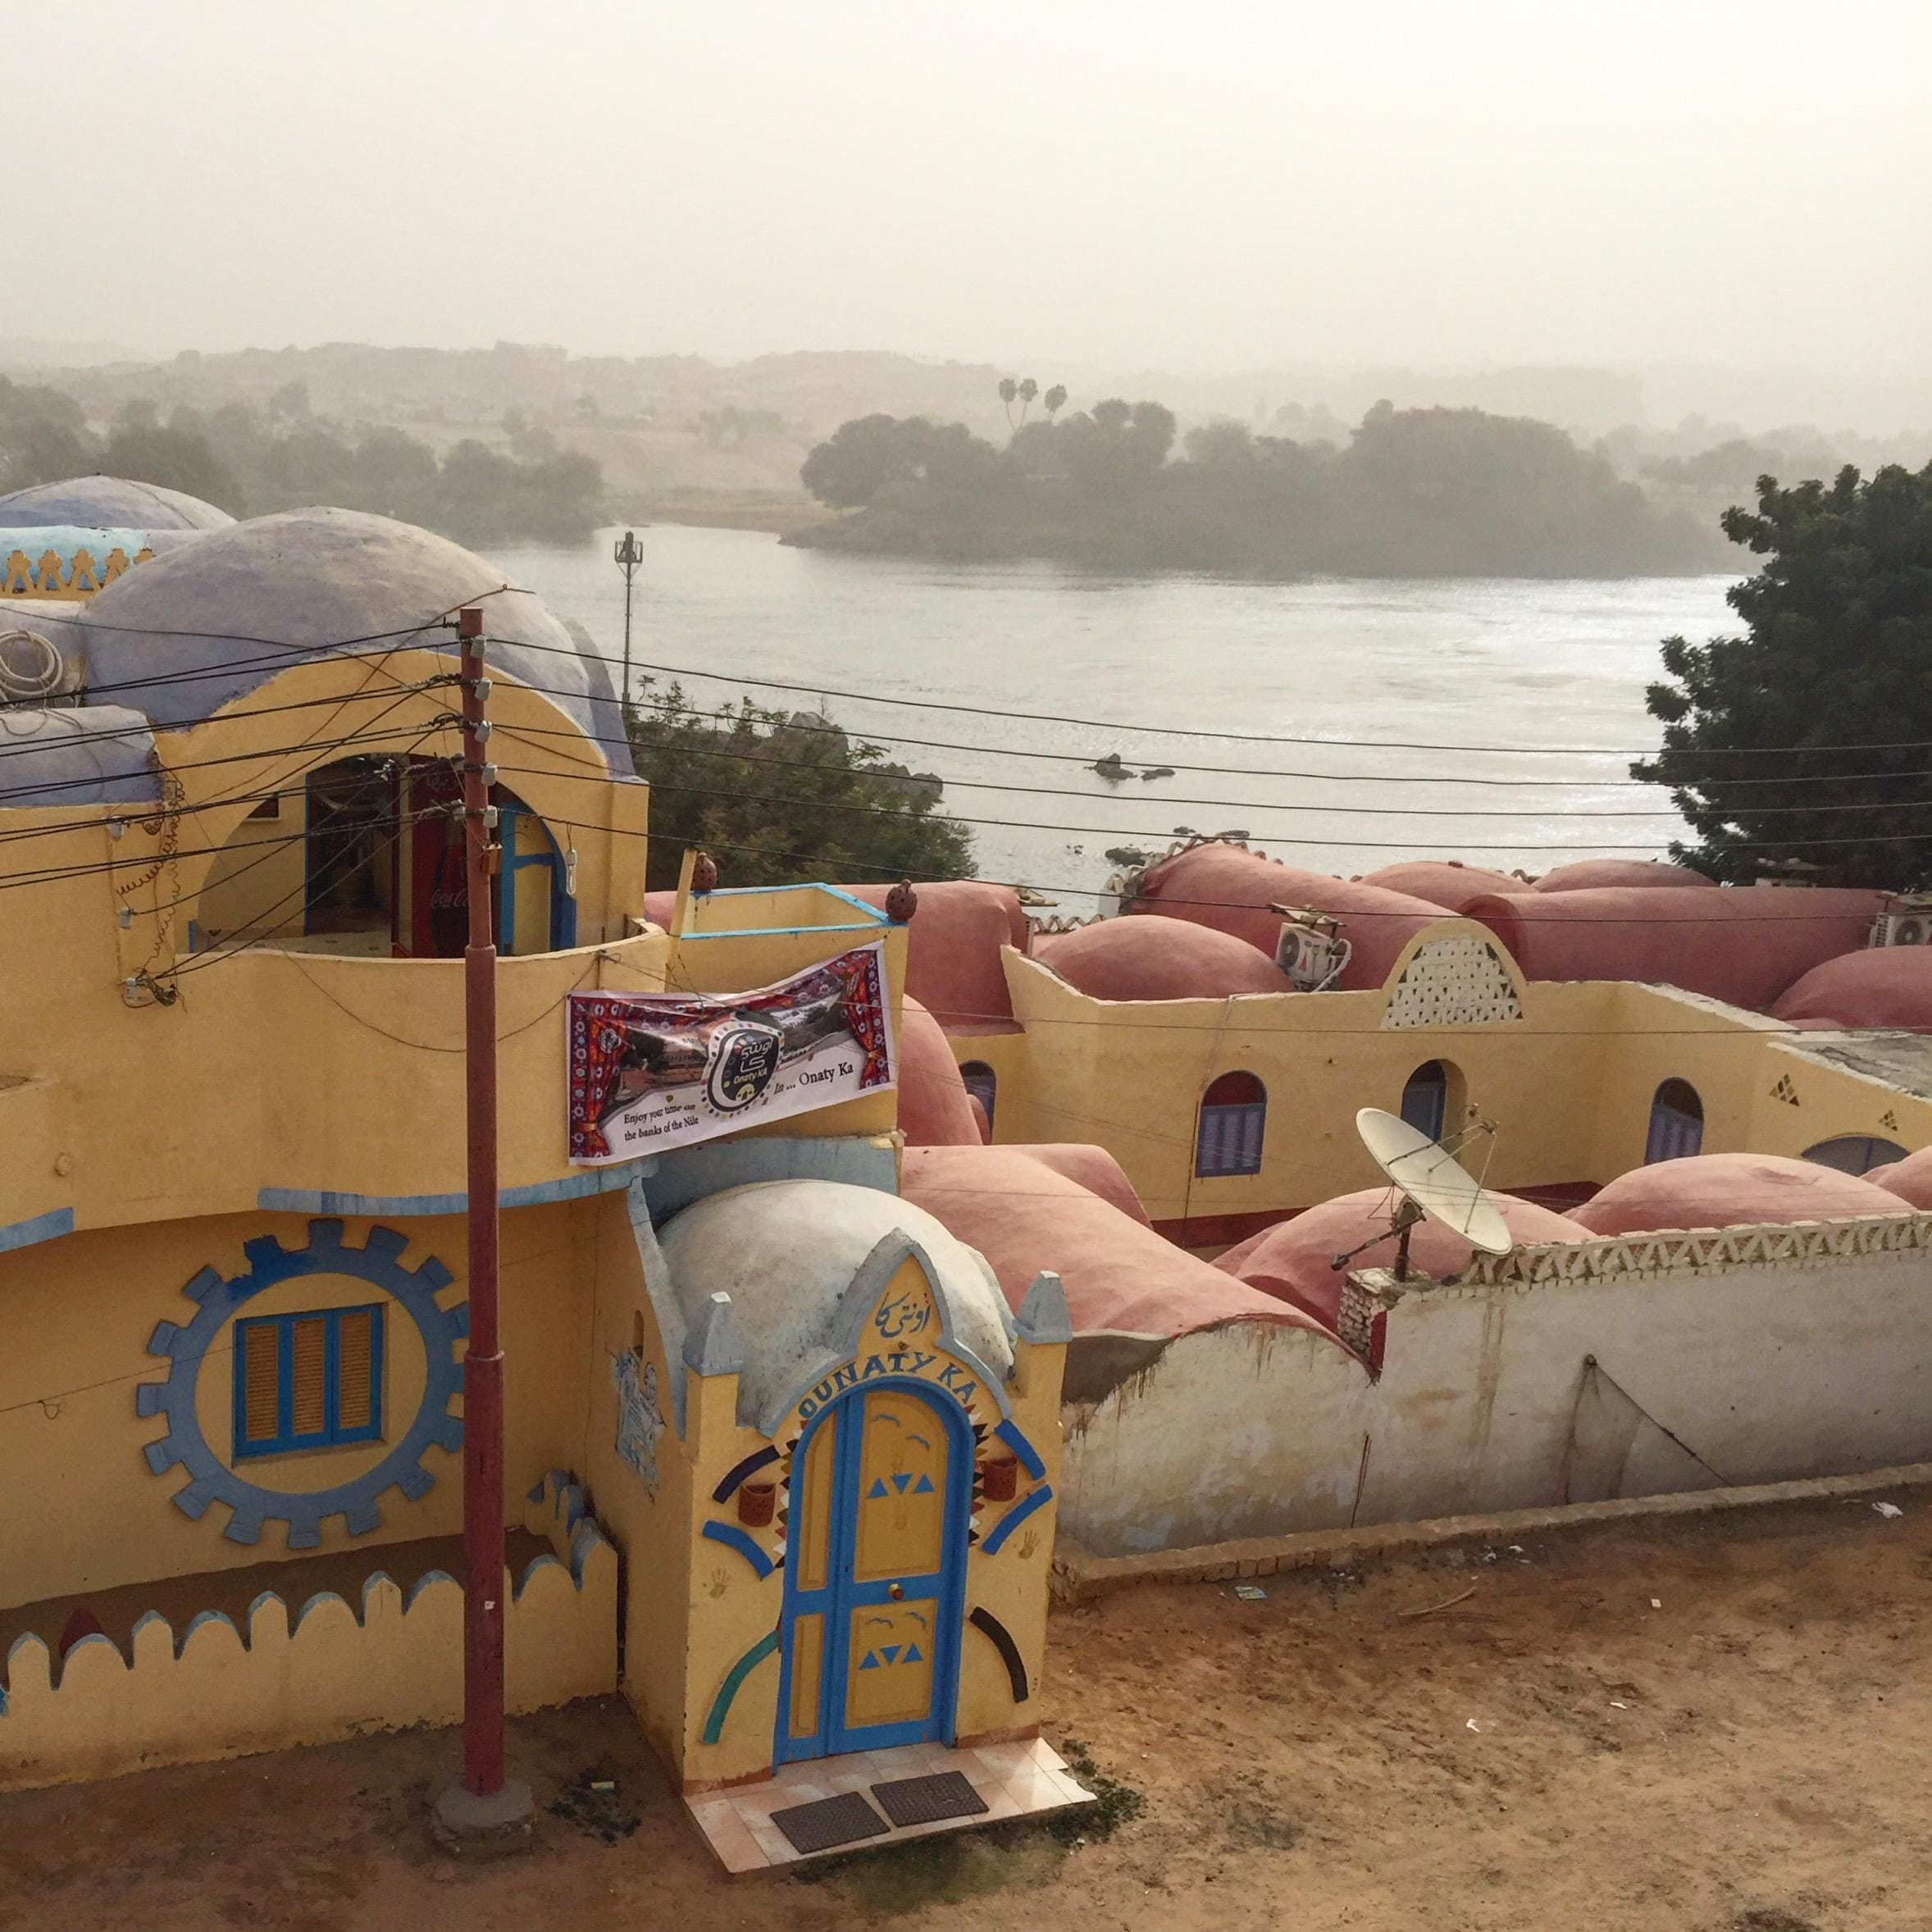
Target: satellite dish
[1433, 1185]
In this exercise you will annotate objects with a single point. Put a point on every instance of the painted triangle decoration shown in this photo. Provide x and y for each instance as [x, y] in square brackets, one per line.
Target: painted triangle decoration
[890, 1652]
[923, 1487]
[868, 1662]
[912, 1655]
[879, 1488]
[900, 1481]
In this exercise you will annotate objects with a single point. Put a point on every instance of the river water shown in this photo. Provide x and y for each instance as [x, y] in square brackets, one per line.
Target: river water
[1334, 682]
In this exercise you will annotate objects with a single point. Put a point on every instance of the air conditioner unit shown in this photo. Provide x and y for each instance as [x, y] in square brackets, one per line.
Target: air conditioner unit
[1904, 921]
[1310, 950]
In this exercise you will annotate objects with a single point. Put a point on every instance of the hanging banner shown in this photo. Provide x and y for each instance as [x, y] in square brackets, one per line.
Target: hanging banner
[649, 1071]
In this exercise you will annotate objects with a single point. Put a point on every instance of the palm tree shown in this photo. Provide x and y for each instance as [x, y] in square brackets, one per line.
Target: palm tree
[1054, 400]
[1008, 389]
[1027, 390]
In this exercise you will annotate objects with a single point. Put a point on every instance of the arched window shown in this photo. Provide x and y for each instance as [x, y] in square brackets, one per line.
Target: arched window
[1855, 1153]
[1233, 1112]
[1425, 1099]
[1676, 1122]
[983, 1084]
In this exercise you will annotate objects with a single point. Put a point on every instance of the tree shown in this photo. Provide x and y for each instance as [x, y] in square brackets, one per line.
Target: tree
[1028, 390]
[1054, 400]
[1756, 728]
[1008, 390]
[863, 456]
[778, 800]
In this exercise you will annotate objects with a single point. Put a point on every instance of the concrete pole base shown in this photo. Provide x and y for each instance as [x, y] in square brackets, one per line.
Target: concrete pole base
[492, 1827]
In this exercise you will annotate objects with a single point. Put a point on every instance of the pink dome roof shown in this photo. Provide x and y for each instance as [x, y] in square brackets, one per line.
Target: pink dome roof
[1091, 1167]
[952, 950]
[1158, 960]
[1911, 1179]
[1731, 1190]
[1888, 985]
[1293, 1259]
[1121, 1277]
[1743, 944]
[1585, 875]
[934, 1108]
[1231, 889]
[1446, 882]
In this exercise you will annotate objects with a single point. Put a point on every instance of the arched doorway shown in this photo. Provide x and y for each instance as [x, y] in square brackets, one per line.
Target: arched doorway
[875, 1577]
[1676, 1122]
[366, 855]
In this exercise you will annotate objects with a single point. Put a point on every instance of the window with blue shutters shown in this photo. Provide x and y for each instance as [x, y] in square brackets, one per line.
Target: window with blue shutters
[1234, 1118]
[308, 1381]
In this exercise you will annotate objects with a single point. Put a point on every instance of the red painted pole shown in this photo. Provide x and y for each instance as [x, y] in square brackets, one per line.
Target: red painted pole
[483, 1366]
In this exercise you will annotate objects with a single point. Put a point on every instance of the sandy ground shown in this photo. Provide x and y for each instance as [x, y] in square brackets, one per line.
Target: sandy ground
[1752, 1754]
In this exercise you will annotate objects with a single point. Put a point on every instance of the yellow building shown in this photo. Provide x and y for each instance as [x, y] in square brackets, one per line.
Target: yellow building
[232, 1233]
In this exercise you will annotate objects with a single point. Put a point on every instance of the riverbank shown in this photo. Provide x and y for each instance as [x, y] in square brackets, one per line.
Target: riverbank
[779, 513]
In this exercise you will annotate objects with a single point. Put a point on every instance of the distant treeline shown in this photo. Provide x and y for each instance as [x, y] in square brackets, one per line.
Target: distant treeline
[250, 461]
[1411, 492]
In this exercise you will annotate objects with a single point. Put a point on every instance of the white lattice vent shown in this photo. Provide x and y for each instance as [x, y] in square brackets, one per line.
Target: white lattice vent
[1454, 982]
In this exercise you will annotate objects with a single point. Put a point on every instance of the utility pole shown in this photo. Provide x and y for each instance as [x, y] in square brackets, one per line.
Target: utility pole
[628, 553]
[483, 1812]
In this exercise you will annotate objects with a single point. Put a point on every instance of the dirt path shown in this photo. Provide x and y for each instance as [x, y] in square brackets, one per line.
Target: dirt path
[1753, 1755]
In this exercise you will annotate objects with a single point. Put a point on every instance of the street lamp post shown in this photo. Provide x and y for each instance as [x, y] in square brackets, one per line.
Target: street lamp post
[629, 554]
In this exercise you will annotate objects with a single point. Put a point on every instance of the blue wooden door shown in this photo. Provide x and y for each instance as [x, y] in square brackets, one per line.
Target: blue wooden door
[875, 1573]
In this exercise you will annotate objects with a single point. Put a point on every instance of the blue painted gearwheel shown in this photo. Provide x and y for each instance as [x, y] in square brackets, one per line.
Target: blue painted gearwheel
[378, 1262]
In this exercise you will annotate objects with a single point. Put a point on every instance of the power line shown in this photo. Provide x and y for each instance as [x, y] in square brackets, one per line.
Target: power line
[1258, 737]
[1350, 840]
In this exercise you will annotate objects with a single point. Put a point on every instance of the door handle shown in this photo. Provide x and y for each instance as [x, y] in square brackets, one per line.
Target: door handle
[896, 1592]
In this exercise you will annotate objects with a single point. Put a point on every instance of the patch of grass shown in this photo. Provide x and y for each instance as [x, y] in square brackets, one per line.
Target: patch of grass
[892, 1881]
[602, 1814]
[1118, 1804]
[1771, 1918]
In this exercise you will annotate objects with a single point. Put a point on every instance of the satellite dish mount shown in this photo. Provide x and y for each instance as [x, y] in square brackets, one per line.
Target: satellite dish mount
[1430, 1185]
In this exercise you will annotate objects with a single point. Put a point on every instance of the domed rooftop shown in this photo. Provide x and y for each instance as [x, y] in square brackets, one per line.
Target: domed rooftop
[1888, 985]
[113, 503]
[1228, 887]
[1157, 959]
[1731, 1190]
[1743, 944]
[785, 1252]
[1583, 875]
[1293, 1260]
[934, 1108]
[242, 602]
[1911, 1179]
[952, 947]
[1446, 882]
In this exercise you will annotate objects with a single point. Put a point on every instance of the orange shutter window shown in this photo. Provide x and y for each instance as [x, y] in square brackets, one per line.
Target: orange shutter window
[308, 1345]
[258, 1383]
[353, 1382]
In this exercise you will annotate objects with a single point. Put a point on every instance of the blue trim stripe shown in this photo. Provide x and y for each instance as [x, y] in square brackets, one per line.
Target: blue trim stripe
[323, 1201]
[770, 933]
[735, 1538]
[23, 1234]
[1014, 1517]
[1008, 1432]
[715, 1723]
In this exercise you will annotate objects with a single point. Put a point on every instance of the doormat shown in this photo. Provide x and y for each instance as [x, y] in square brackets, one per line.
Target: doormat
[830, 1822]
[925, 1800]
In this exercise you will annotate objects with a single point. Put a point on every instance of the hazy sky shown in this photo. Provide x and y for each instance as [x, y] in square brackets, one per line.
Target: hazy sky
[1198, 186]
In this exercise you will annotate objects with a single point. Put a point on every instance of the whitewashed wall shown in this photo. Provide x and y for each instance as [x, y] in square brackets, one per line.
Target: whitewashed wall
[1768, 1353]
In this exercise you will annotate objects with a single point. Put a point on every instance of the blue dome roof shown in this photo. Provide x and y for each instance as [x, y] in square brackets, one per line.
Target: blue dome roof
[114, 503]
[179, 637]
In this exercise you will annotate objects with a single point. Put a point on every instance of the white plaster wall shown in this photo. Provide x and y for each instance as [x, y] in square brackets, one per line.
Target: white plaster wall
[1765, 1370]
